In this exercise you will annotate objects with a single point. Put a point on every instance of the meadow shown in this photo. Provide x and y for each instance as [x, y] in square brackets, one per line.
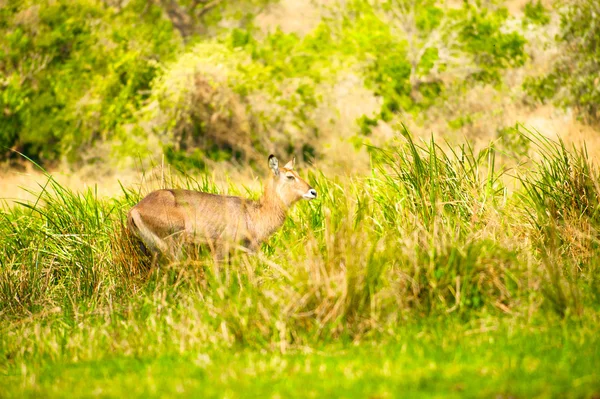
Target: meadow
[453, 249]
[437, 274]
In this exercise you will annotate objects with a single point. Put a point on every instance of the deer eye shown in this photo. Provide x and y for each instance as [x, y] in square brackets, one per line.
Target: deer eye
[290, 177]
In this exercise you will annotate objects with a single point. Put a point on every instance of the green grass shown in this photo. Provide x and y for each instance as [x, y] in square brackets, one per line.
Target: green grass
[429, 276]
[432, 361]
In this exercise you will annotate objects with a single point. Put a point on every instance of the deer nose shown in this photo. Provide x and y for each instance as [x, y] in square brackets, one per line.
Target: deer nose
[310, 194]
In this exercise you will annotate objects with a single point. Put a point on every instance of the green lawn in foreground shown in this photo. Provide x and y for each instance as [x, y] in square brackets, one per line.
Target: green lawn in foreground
[559, 362]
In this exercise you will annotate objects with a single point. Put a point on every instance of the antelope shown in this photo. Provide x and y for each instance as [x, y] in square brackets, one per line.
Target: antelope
[165, 218]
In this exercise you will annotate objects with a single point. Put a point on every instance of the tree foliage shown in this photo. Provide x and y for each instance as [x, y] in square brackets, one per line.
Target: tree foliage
[74, 70]
[77, 73]
[415, 50]
[575, 77]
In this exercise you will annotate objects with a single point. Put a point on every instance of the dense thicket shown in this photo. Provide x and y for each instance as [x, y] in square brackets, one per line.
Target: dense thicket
[180, 77]
[75, 71]
[78, 72]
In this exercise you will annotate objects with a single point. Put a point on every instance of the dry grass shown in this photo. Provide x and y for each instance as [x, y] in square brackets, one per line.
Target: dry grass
[24, 183]
[293, 16]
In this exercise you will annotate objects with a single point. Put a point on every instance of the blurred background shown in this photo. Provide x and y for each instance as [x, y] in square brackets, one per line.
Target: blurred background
[97, 91]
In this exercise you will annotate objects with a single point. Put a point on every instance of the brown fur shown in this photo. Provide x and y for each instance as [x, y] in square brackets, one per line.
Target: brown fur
[164, 219]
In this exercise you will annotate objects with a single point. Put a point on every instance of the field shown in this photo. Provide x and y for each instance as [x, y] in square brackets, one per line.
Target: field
[444, 360]
[453, 249]
[428, 277]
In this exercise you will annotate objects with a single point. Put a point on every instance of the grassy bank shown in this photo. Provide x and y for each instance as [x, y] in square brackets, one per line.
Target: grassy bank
[440, 272]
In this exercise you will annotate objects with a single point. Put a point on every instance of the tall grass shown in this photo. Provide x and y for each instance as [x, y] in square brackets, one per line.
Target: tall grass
[432, 232]
[561, 197]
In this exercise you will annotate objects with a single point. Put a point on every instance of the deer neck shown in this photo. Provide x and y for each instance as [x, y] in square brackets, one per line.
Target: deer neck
[270, 213]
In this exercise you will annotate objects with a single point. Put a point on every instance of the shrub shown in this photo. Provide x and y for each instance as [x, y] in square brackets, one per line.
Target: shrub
[74, 71]
[536, 13]
[194, 109]
[573, 80]
[414, 51]
[221, 101]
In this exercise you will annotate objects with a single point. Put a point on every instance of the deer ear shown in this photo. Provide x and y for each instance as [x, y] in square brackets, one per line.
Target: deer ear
[274, 164]
[290, 165]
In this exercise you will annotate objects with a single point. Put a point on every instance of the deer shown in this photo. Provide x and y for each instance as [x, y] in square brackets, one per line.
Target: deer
[166, 219]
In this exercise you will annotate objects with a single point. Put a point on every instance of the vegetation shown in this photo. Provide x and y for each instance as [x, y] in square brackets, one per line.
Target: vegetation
[573, 80]
[444, 268]
[446, 359]
[91, 74]
[73, 72]
[431, 241]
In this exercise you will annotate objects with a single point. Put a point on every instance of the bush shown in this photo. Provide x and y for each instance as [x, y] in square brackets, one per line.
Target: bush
[194, 109]
[573, 80]
[74, 71]
[79, 72]
[536, 13]
[416, 50]
[240, 98]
